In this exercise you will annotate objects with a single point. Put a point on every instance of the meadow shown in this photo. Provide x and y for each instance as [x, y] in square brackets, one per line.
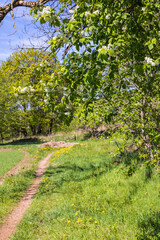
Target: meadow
[85, 194]
[13, 187]
[8, 160]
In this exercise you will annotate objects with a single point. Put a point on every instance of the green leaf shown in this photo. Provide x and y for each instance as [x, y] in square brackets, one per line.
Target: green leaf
[150, 46]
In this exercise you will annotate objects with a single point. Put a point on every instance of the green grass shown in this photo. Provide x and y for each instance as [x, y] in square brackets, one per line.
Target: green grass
[8, 160]
[83, 195]
[12, 190]
[14, 187]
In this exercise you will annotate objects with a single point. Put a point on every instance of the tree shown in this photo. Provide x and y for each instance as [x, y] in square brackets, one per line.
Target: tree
[34, 91]
[115, 53]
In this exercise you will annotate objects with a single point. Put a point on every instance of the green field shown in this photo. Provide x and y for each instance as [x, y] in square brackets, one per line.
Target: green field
[84, 195]
[8, 160]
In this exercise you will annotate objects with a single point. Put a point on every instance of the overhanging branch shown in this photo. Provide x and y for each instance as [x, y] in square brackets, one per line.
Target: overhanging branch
[18, 3]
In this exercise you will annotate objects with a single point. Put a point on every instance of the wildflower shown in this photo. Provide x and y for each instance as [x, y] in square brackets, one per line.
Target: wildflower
[95, 222]
[79, 220]
[150, 61]
[143, 9]
[68, 221]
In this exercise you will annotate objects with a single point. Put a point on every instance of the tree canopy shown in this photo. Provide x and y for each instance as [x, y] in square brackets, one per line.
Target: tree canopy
[110, 52]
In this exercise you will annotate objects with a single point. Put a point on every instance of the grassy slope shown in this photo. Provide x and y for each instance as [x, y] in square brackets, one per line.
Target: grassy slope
[8, 160]
[84, 196]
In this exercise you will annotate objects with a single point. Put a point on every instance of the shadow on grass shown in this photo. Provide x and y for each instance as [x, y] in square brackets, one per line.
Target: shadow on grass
[25, 141]
[73, 173]
[150, 227]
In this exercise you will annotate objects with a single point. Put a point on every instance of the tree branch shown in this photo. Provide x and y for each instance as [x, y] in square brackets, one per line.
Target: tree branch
[18, 3]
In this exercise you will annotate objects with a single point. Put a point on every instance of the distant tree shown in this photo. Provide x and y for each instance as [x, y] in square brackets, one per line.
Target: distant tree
[35, 93]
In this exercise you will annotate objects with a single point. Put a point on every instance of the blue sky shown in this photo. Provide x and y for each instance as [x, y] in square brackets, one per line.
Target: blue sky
[10, 40]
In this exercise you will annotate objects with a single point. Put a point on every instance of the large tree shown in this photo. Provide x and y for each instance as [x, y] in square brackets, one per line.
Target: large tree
[29, 94]
[112, 50]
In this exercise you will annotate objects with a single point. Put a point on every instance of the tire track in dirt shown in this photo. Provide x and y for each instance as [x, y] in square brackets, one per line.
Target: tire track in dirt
[9, 226]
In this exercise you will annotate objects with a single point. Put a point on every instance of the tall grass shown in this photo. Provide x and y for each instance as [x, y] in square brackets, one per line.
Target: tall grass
[83, 195]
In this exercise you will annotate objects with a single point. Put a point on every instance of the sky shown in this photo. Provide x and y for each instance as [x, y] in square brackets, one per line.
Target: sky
[10, 40]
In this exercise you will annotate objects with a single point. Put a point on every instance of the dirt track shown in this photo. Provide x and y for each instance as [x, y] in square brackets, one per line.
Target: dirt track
[9, 225]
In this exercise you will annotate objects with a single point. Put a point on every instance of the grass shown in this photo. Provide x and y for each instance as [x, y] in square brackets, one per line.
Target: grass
[83, 195]
[14, 187]
[8, 160]
[12, 190]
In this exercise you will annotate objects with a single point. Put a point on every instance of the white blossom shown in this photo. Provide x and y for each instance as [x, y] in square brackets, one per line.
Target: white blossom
[124, 28]
[109, 46]
[71, 11]
[46, 10]
[67, 113]
[41, 64]
[23, 90]
[106, 48]
[108, 16]
[96, 12]
[87, 14]
[32, 89]
[82, 33]
[54, 38]
[87, 53]
[72, 18]
[103, 48]
[46, 90]
[150, 61]
[143, 9]
[76, 7]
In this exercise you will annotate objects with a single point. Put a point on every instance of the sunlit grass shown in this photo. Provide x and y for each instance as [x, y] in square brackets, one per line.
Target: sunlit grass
[83, 195]
[8, 160]
[13, 188]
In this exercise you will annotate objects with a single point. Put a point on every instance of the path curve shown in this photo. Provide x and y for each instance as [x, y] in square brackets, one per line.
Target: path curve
[9, 226]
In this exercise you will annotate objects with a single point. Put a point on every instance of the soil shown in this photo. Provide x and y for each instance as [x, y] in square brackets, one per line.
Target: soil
[5, 149]
[9, 225]
[57, 144]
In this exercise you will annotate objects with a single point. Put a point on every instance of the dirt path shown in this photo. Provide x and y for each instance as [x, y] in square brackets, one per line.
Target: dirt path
[20, 165]
[9, 226]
